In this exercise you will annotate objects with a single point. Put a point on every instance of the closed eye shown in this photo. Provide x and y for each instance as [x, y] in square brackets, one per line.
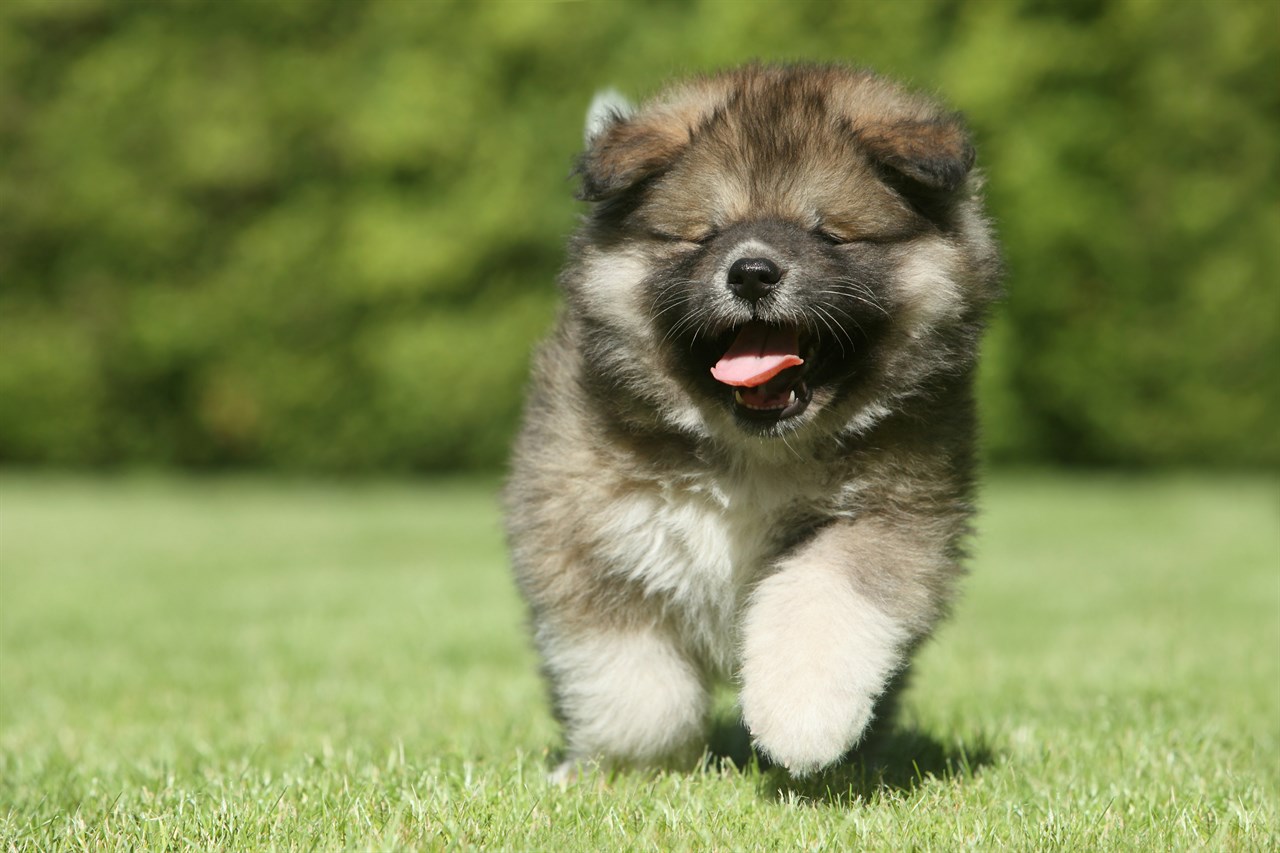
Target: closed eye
[700, 238]
[887, 237]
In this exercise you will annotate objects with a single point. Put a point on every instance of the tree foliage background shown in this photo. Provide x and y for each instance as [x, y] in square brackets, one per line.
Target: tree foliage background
[324, 235]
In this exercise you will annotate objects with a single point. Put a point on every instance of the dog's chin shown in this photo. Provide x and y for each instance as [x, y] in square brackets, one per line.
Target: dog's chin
[776, 407]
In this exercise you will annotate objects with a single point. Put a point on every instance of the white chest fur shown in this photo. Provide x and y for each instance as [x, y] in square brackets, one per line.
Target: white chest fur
[697, 546]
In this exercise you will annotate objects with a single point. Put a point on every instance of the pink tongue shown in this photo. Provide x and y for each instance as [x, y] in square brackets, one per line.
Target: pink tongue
[760, 353]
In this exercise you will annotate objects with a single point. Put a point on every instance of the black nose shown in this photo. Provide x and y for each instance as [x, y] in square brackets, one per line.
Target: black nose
[753, 278]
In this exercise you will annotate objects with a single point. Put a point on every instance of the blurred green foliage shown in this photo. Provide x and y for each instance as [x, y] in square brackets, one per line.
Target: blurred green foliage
[324, 235]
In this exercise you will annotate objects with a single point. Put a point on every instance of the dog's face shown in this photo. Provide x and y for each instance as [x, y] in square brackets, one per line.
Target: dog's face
[767, 243]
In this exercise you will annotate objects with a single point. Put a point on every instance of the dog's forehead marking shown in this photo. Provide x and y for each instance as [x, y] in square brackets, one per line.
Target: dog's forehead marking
[743, 197]
[752, 248]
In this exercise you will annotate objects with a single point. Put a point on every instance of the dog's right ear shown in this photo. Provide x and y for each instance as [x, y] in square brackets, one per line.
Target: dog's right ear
[624, 147]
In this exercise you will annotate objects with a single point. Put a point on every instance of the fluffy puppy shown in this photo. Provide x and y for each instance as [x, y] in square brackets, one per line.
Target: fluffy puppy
[747, 450]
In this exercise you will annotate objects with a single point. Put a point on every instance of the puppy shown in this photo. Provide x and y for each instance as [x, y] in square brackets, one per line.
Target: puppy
[747, 450]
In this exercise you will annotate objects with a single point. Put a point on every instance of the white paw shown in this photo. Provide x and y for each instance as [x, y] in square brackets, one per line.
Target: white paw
[564, 773]
[572, 770]
[805, 733]
[627, 698]
[816, 656]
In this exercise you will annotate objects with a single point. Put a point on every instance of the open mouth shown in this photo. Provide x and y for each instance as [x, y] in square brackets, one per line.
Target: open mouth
[765, 365]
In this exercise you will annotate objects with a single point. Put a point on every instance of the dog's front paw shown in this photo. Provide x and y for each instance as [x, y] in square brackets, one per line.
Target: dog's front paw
[802, 731]
[816, 657]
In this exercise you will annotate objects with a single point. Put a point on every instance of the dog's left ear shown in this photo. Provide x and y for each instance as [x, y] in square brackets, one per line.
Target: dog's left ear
[608, 107]
[935, 155]
[625, 147]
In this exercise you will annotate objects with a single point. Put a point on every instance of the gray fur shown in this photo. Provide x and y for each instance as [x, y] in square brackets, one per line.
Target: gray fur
[663, 540]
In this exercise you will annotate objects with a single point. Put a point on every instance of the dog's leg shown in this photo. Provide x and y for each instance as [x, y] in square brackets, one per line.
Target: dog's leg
[625, 696]
[823, 637]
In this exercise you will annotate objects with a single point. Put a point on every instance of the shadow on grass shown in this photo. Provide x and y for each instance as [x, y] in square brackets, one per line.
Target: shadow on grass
[896, 759]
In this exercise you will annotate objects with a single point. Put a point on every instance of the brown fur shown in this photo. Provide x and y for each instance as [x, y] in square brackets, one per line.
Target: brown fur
[649, 519]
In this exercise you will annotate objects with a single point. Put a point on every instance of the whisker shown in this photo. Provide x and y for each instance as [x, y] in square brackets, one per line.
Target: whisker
[827, 321]
[678, 303]
[844, 331]
[852, 319]
[794, 452]
[856, 290]
[668, 287]
[681, 325]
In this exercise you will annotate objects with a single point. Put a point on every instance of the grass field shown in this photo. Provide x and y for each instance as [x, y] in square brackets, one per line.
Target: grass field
[254, 664]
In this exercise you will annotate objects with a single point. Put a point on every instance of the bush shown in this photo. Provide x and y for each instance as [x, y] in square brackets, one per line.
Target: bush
[324, 235]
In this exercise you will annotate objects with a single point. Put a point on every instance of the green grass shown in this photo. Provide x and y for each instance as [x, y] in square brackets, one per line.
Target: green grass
[252, 664]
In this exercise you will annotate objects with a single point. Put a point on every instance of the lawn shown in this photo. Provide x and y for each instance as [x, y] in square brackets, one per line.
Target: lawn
[262, 664]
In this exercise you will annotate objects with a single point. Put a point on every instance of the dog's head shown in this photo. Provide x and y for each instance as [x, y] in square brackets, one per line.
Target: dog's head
[778, 242]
